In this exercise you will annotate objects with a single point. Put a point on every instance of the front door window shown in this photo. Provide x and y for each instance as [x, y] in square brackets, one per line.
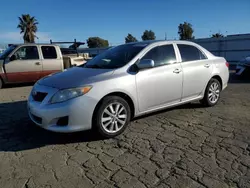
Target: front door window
[26, 53]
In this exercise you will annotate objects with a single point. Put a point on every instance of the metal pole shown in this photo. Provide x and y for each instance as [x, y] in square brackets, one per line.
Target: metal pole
[75, 45]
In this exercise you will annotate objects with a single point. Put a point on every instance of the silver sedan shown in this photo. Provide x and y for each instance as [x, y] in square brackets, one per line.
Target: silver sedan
[125, 82]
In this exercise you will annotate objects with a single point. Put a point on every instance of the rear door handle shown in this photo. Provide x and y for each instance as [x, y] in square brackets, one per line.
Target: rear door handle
[177, 71]
[37, 63]
[207, 65]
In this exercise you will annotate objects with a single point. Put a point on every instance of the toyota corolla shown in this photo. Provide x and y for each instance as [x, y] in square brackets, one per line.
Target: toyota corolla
[125, 82]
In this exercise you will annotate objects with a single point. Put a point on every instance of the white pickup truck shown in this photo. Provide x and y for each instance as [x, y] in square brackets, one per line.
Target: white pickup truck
[29, 62]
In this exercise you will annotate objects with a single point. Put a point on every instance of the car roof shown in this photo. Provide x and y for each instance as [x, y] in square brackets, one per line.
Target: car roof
[148, 42]
[163, 42]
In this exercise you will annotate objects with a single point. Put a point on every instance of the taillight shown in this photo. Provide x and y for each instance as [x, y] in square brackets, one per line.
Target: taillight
[227, 64]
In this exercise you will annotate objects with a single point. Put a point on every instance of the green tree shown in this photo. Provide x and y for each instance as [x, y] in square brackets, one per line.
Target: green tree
[28, 26]
[185, 31]
[148, 35]
[130, 38]
[97, 42]
[217, 35]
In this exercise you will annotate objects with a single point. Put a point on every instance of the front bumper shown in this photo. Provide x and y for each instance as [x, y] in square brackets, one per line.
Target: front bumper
[79, 112]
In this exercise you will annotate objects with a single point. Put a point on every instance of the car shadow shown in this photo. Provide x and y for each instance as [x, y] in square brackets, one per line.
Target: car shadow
[18, 133]
[16, 85]
[234, 79]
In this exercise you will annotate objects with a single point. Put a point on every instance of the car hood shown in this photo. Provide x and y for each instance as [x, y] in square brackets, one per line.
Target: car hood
[75, 77]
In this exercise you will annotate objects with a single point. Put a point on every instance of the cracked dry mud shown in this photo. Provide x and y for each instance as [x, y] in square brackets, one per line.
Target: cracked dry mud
[188, 146]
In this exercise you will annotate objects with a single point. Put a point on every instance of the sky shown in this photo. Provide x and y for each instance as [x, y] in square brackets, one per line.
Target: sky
[65, 20]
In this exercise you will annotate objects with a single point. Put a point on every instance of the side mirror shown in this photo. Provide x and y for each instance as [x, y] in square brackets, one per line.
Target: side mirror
[146, 63]
[13, 57]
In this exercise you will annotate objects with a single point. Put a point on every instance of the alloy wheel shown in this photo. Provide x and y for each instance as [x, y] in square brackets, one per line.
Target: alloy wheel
[114, 117]
[214, 92]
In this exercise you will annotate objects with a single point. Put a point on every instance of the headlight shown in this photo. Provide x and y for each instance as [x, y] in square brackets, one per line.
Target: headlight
[67, 94]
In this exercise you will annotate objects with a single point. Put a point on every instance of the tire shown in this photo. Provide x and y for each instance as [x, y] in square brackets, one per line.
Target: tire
[109, 125]
[212, 93]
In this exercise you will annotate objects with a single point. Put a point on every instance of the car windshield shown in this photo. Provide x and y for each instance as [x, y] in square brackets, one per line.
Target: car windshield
[7, 51]
[115, 57]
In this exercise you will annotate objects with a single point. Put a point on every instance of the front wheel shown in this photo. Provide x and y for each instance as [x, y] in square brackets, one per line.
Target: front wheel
[212, 93]
[112, 116]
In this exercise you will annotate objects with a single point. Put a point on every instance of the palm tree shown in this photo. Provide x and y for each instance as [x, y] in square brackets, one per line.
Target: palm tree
[28, 26]
[217, 35]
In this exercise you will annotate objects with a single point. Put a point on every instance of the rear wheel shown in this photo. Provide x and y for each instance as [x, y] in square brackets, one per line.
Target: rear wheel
[112, 116]
[212, 93]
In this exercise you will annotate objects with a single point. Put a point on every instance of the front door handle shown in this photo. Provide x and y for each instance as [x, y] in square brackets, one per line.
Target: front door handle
[177, 71]
[37, 63]
[207, 65]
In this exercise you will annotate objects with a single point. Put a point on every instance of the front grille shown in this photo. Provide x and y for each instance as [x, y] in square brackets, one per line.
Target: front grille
[39, 96]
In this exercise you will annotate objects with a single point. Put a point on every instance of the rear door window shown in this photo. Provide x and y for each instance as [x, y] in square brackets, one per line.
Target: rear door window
[190, 53]
[49, 52]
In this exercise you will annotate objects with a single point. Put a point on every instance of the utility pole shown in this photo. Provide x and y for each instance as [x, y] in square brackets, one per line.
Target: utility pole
[165, 35]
